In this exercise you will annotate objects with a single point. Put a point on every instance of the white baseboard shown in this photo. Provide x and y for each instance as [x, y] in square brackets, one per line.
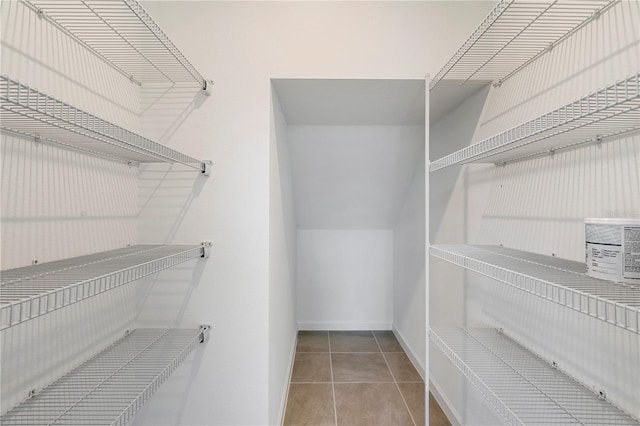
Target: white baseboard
[344, 325]
[445, 404]
[418, 364]
[283, 404]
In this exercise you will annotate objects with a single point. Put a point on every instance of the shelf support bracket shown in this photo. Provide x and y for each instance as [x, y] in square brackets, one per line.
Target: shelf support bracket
[206, 167]
[204, 332]
[206, 249]
[206, 89]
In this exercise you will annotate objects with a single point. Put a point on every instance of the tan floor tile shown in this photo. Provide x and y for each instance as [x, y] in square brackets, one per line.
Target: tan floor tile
[360, 367]
[388, 341]
[413, 394]
[353, 341]
[401, 367]
[311, 367]
[313, 341]
[310, 404]
[370, 404]
[436, 415]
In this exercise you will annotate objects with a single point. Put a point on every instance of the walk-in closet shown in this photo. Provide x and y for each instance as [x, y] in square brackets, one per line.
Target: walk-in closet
[211, 211]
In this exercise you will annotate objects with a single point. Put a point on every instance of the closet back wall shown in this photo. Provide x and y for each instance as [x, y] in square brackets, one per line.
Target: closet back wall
[349, 185]
[345, 279]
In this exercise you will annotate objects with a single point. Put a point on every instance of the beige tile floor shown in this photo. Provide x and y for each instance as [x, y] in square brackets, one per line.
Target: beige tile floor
[354, 378]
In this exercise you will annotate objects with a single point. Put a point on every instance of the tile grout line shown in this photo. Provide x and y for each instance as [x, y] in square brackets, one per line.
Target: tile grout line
[395, 382]
[333, 385]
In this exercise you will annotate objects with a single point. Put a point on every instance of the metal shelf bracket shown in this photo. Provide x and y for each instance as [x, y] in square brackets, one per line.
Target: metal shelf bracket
[206, 249]
[206, 89]
[204, 333]
[206, 167]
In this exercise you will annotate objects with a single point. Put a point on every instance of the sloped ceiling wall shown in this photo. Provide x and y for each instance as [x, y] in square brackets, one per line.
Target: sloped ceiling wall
[354, 146]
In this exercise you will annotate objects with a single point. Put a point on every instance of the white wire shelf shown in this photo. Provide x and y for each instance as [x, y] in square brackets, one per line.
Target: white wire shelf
[111, 387]
[514, 34]
[523, 388]
[33, 291]
[561, 281]
[612, 111]
[124, 35]
[31, 113]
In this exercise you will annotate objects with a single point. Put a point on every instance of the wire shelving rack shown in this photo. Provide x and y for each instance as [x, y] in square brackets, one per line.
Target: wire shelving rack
[111, 387]
[609, 112]
[124, 35]
[31, 113]
[33, 291]
[522, 387]
[514, 34]
[560, 281]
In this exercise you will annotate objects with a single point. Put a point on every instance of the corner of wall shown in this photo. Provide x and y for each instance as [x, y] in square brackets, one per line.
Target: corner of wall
[411, 353]
[285, 390]
[444, 403]
[282, 327]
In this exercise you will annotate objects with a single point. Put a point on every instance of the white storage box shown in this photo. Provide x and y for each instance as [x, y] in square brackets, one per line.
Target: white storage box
[613, 249]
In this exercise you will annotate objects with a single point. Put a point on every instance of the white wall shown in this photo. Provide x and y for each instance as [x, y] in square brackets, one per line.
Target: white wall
[409, 283]
[451, 192]
[283, 326]
[358, 178]
[345, 279]
[539, 206]
[352, 177]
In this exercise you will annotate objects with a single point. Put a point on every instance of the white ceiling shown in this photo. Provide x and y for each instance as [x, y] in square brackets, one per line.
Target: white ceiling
[354, 148]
